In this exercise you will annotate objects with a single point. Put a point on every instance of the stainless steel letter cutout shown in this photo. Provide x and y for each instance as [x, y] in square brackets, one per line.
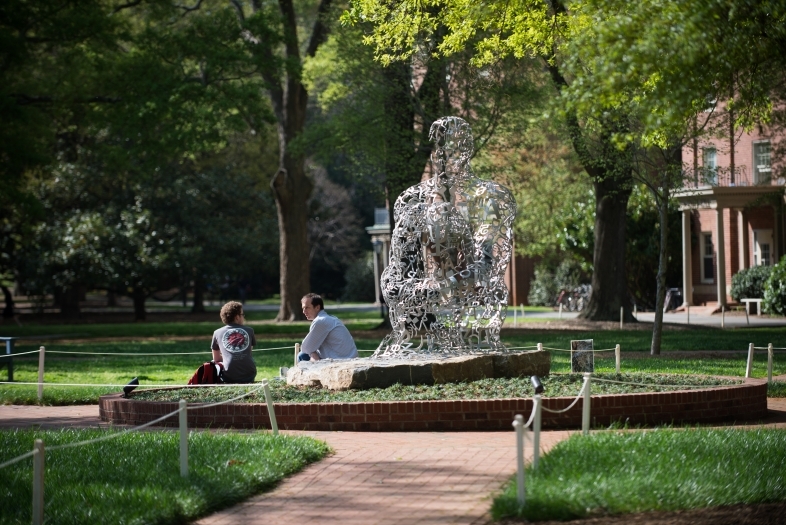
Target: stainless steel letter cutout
[450, 247]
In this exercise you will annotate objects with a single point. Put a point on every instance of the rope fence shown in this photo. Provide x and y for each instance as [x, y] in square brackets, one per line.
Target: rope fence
[38, 452]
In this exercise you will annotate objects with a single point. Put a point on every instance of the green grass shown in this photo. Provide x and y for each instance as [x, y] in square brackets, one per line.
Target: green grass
[563, 385]
[659, 470]
[135, 478]
[776, 389]
[261, 322]
[176, 370]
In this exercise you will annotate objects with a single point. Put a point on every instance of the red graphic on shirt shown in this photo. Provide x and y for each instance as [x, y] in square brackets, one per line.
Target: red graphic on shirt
[235, 340]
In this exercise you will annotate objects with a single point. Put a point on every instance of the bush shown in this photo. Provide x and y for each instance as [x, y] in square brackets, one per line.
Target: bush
[548, 281]
[360, 280]
[775, 290]
[749, 283]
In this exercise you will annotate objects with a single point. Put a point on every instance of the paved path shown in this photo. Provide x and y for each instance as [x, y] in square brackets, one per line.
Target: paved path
[381, 478]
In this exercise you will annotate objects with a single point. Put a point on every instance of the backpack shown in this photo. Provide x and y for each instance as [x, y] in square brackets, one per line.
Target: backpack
[208, 374]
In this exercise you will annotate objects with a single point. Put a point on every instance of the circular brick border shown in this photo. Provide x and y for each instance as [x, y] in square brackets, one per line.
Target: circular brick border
[747, 401]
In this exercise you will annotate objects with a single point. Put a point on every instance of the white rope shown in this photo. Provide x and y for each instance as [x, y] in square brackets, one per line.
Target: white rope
[581, 392]
[531, 417]
[20, 353]
[111, 436]
[228, 400]
[135, 354]
[653, 384]
[112, 385]
[563, 350]
[521, 347]
[121, 354]
[18, 458]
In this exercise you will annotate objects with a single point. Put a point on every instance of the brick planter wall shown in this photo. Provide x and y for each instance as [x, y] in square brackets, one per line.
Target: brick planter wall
[747, 401]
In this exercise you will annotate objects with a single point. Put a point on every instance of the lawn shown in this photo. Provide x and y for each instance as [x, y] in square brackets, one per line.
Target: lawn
[163, 369]
[135, 478]
[656, 470]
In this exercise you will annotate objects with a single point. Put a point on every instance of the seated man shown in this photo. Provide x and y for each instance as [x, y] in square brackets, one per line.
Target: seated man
[232, 345]
[327, 338]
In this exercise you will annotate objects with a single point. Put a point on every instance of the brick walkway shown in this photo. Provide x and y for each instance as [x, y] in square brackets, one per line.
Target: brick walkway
[373, 478]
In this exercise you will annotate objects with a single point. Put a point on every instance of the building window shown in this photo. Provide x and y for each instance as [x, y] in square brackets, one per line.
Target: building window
[707, 258]
[762, 162]
[762, 247]
[710, 166]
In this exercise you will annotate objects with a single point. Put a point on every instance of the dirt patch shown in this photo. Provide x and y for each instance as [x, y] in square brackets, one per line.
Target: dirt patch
[761, 514]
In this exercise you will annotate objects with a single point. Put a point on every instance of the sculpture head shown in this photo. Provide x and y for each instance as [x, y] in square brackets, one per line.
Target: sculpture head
[454, 147]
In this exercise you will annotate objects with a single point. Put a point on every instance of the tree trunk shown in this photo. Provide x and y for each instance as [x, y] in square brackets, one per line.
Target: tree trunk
[69, 303]
[292, 188]
[657, 327]
[609, 278]
[8, 311]
[139, 296]
[199, 295]
[111, 299]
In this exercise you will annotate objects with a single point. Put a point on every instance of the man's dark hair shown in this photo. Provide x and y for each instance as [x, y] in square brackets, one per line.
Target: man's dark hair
[315, 300]
[230, 312]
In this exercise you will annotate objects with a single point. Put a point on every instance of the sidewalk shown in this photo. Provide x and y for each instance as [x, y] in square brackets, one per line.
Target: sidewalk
[372, 478]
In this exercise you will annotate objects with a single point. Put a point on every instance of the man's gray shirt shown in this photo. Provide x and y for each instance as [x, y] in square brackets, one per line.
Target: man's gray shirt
[329, 338]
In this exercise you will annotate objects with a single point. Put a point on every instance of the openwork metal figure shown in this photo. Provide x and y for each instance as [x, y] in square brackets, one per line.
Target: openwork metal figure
[450, 247]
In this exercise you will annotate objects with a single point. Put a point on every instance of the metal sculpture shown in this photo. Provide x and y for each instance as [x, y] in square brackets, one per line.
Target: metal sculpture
[450, 247]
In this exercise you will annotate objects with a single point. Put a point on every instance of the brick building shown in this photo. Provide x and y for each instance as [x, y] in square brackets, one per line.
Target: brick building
[732, 210]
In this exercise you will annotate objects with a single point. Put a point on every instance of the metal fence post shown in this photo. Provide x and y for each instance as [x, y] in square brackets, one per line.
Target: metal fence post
[38, 482]
[536, 432]
[585, 414]
[518, 424]
[41, 352]
[617, 357]
[769, 363]
[183, 416]
[297, 351]
[622, 315]
[749, 367]
[270, 411]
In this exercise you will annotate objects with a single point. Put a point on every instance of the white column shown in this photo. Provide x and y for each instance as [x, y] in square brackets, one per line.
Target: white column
[721, 252]
[742, 246]
[687, 266]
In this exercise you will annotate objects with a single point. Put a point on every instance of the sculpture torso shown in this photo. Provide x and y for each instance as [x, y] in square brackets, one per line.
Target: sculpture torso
[450, 247]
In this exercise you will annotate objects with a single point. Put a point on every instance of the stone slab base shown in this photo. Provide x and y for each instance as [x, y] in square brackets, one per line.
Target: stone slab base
[745, 402]
[365, 373]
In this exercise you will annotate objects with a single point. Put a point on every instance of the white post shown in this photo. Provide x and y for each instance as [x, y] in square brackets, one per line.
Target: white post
[617, 357]
[41, 352]
[522, 311]
[540, 347]
[183, 439]
[297, 351]
[687, 309]
[518, 424]
[515, 317]
[635, 311]
[723, 316]
[749, 368]
[270, 411]
[536, 431]
[38, 482]
[769, 363]
[585, 414]
[622, 313]
[560, 310]
[747, 319]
